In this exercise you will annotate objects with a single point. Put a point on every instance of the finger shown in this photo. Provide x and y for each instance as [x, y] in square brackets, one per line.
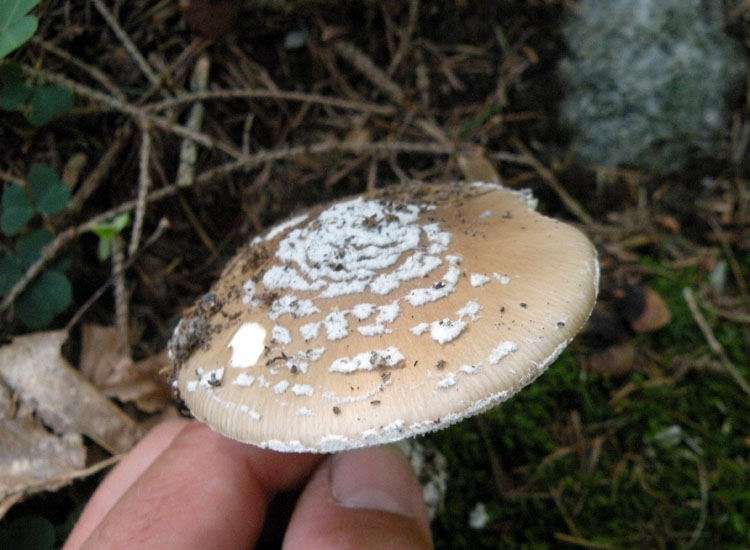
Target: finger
[203, 491]
[122, 477]
[362, 499]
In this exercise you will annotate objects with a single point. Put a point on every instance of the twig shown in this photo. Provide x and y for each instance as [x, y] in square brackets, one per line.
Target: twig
[128, 44]
[262, 157]
[549, 178]
[739, 279]
[144, 183]
[92, 71]
[121, 296]
[703, 487]
[92, 181]
[248, 162]
[302, 97]
[188, 148]
[713, 343]
[158, 232]
[136, 112]
[360, 61]
[406, 34]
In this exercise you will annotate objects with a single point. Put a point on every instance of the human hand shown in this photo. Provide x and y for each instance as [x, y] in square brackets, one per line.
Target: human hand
[184, 486]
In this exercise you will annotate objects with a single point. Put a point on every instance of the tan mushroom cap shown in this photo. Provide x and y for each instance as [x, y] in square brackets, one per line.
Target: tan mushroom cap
[383, 316]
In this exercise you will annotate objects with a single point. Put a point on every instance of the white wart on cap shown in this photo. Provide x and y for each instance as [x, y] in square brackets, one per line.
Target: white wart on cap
[383, 316]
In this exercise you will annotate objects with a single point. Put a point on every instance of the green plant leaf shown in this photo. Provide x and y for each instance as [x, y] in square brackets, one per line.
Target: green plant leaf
[49, 193]
[48, 102]
[111, 228]
[106, 232]
[50, 294]
[16, 26]
[13, 90]
[29, 246]
[104, 249]
[30, 532]
[17, 209]
[10, 272]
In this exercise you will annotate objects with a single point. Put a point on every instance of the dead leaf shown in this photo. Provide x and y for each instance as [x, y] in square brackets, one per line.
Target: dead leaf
[476, 167]
[32, 366]
[114, 373]
[616, 360]
[33, 460]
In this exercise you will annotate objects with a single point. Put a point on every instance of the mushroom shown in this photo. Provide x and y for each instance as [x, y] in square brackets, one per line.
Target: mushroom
[383, 316]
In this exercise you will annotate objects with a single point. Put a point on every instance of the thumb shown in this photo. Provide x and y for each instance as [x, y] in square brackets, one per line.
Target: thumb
[367, 498]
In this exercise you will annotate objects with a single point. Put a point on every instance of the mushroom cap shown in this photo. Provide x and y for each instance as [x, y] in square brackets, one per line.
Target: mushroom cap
[383, 316]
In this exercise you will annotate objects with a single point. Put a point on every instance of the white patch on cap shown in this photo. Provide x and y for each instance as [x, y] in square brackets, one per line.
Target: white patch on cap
[501, 351]
[386, 314]
[244, 380]
[504, 279]
[422, 296]
[451, 379]
[369, 360]
[210, 379]
[470, 310]
[310, 331]
[247, 345]
[280, 335]
[486, 214]
[304, 411]
[446, 330]
[470, 369]
[281, 387]
[293, 306]
[373, 330]
[337, 327]
[477, 279]
[303, 389]
[363, 311]
[288, 278]
[341, 251]
[279, 229]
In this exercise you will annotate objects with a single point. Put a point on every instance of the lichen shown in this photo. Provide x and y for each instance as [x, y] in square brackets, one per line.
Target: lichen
[646, 81]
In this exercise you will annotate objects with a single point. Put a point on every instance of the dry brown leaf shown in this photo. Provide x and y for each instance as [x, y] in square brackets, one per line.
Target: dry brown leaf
[476, 167]
[32, 366]
[34, 460]
[114, 373]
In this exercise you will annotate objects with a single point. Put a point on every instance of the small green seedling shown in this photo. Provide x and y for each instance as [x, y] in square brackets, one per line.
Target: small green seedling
[107, 232]
[51, 292]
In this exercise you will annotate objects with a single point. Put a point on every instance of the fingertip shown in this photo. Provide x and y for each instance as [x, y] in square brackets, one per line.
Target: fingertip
[359, 499]
[122, 477]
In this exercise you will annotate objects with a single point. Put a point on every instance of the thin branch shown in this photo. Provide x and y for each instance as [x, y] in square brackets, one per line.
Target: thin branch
[188, 148]
[136, 112]
[549, 178]
[360, 61]
[127, 43]
[92, 71]
[144, 183]
[302, 97]
[713, 343]
[50, 251]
